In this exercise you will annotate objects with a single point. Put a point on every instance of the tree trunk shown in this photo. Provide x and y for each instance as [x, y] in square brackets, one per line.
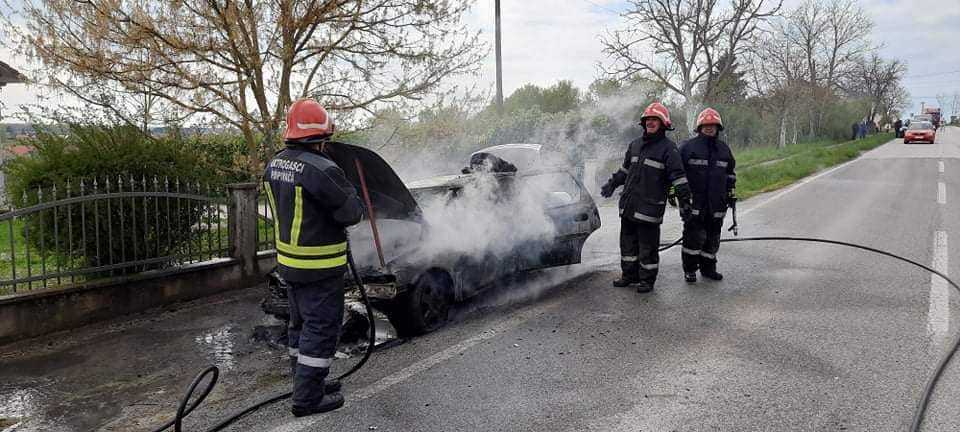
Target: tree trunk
[783, 131]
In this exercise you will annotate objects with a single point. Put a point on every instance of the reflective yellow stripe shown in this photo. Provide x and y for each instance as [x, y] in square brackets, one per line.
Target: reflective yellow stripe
[312, 264]
[297, 217]
[273, 210]
[312, 250]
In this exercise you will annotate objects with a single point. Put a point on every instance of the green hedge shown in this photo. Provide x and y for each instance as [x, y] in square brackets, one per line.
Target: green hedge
[78, 155]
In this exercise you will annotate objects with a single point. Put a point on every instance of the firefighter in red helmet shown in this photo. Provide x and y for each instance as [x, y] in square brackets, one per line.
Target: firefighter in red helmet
[709, 165]
[313, 203]
[650, 167]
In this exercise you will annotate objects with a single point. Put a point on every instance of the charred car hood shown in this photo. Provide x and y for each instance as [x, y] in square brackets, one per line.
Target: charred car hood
[390, 198]
[398, 216]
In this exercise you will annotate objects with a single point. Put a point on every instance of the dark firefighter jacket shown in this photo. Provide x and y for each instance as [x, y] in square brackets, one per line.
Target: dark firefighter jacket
[313, 203]
[709, 165]
[651, 165]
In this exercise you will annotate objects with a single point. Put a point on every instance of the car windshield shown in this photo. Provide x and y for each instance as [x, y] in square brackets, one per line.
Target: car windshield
[921, 126]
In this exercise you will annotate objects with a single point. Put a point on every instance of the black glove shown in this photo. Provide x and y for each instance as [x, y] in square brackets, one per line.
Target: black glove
[607, 190]
[685, 210]
[672, 198]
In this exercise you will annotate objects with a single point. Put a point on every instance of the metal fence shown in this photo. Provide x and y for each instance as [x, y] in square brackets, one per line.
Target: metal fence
[90, 228]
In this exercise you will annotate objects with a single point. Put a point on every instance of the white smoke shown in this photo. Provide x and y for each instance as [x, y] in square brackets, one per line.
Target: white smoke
[490, 214]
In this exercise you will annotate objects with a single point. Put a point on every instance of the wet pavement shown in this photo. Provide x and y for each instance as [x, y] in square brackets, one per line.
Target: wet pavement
[127, 375]
[796, 337]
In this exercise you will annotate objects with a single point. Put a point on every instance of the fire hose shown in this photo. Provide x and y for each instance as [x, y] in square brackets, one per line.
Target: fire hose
[924, 400]
[185, 407]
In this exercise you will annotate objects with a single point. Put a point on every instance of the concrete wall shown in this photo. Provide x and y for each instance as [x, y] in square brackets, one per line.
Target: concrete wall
[38, 313]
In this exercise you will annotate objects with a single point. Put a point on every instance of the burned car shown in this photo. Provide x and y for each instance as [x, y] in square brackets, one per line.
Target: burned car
[435, 242]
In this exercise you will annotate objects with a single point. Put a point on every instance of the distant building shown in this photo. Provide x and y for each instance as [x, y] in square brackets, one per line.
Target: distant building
[8, 75]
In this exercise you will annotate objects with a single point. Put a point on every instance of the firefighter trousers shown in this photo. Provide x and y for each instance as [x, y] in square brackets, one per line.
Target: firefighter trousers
[639, 254]
[701, 241]
[316, 315]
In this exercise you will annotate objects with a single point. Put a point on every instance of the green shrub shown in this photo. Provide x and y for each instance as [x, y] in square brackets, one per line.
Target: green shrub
[85, 160]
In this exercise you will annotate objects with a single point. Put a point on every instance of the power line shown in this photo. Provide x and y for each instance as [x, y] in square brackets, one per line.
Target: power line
[929, 74]
[602, 7]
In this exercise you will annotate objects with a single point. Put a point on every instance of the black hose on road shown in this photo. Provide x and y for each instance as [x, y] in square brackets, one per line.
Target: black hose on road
[185, 407]
[921, 408]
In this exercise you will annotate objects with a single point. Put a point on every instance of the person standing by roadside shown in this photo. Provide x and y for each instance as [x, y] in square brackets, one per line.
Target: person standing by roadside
[650, 167]
[710, 167]
[314, 203]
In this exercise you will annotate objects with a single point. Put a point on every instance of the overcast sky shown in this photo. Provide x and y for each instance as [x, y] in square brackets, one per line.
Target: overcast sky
[549, 40]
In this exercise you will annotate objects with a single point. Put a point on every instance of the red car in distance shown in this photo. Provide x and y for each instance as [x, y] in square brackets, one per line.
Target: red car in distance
[920, 131]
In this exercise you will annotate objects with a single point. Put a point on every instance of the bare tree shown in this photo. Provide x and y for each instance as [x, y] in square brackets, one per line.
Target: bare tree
[778, 71]
[680, 43]
[879, 81]
[955, 104]
[829, 36]
[244, 62]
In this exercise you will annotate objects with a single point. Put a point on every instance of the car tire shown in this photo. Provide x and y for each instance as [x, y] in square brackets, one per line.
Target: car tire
[424, 307]
[906, 142]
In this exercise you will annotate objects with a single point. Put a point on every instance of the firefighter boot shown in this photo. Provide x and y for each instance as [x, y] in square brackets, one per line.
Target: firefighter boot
[624, 282]
[309, 395]
[644, 286]
[690, 276]
[709, 271]
[329, 386]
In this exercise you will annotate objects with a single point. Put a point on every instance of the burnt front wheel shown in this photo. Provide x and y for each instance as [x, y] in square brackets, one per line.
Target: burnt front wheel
[424, 307]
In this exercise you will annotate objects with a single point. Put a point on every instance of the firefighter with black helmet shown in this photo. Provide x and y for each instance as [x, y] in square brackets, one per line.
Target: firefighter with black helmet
[710, 168]
[313, 204]
[650, 167]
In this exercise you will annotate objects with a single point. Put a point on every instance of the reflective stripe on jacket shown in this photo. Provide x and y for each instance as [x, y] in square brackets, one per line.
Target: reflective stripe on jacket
[650, 166]
[710, 168]
[313, 203]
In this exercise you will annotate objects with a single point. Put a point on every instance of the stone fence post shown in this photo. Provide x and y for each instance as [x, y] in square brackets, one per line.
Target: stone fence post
[242, 223]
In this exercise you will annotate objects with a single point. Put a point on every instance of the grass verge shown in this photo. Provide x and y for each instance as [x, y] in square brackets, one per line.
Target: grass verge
[756, 179]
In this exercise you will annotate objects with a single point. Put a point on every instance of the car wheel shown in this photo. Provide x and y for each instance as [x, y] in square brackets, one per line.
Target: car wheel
[424, 307]
[906, 142]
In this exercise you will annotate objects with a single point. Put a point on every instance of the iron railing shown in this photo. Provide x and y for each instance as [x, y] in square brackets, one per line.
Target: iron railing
[90, 228]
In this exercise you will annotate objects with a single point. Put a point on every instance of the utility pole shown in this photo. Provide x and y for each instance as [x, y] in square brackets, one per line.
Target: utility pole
[499, 100]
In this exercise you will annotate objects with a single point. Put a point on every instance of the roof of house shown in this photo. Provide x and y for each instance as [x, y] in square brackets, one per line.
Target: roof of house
[9, 75]
[21, 150]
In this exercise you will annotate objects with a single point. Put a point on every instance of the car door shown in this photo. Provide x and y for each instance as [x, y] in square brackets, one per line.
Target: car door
[569, 209]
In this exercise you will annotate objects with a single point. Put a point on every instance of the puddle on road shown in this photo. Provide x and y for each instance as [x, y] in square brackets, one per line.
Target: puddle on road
[220, 346]
[19, 406]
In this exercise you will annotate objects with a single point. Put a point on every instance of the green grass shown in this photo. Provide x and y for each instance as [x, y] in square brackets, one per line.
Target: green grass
[764, 169]
[753, 156]
[203, 241]
[18, 247]
[752, 180]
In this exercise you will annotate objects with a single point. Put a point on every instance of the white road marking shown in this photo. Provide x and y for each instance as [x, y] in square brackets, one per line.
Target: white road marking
[942, 167]
[938, 319]
[797, 185]
[311, 424]
[941, 193]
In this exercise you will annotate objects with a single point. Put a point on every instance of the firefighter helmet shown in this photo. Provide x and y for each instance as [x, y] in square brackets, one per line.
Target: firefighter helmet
[709, 116]
[659, 111]
[307, 118]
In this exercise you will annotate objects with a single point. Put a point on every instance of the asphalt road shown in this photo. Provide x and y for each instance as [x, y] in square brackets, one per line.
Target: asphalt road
[797, 337]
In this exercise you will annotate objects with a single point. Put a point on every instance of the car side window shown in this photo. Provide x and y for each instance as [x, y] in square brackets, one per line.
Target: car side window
[552, 189]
